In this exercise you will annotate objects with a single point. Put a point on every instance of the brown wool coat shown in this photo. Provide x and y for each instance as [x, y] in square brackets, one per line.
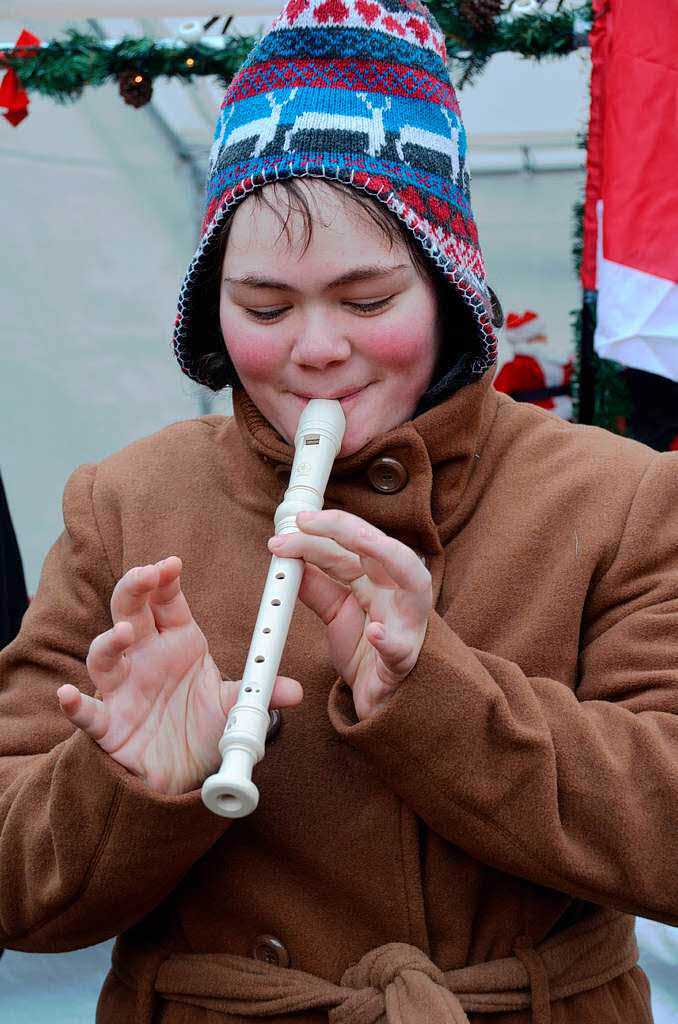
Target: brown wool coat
[524, 775]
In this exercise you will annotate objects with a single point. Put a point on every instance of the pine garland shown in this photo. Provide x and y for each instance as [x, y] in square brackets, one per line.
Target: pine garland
[64, 68]
[530, 35]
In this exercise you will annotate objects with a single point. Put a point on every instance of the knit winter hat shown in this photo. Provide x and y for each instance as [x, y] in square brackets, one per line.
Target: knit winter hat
[357, 91]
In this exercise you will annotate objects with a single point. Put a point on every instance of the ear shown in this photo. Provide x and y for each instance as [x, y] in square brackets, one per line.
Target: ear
[497, 316]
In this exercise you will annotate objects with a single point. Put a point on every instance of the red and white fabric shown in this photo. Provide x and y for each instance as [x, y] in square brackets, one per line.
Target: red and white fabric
[631, 216]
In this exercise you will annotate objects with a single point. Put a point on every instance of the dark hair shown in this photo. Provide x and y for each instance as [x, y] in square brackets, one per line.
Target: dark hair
[457, 324]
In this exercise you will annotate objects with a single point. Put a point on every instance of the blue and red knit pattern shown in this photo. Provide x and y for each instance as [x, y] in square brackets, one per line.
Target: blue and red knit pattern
[356, 90]
[396, 19]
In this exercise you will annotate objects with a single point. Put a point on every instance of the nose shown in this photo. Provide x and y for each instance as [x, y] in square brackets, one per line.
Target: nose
[319, 344]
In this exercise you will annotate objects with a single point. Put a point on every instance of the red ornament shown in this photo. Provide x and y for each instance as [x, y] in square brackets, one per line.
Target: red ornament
[12, 95]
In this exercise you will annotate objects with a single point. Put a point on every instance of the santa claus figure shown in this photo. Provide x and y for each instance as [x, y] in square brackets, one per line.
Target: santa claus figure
[531, 376]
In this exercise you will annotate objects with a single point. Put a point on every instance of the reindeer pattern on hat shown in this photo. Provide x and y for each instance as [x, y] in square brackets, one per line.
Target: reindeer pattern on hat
[394, 129]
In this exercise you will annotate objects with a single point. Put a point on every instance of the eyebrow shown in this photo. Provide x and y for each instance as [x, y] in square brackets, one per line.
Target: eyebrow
[350, 277]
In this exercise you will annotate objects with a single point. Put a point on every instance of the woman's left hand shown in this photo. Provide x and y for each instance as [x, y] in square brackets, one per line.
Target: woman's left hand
[373, 593]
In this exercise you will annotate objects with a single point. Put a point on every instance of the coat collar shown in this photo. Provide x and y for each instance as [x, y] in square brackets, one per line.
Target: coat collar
[438, 449]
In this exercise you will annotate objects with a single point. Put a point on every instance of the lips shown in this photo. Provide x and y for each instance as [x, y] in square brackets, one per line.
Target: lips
[353, 394]
[339, 396]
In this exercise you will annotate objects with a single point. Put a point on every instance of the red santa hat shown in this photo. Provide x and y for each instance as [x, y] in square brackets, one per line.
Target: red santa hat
[524, 328]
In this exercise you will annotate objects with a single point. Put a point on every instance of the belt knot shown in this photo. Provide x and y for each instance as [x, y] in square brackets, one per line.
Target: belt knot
[380, 967]
[396, 982]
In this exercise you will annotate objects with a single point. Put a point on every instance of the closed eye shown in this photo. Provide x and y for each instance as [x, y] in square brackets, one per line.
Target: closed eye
[370, 307]
[360, 307]
[267, 314]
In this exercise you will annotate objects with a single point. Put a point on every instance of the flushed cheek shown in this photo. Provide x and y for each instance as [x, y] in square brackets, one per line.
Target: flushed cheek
[399, 348]
[254, 356]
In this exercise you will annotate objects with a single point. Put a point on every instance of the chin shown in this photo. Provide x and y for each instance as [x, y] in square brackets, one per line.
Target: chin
[354, 440]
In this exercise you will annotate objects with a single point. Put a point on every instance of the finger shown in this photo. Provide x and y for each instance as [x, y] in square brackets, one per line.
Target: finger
[354, 534]
[323, 552]
[321, 593]
[398, 656]
[105, 661]
[286, 693]
[130, 599]
[86, 712]
[168, 603]
[344, 618]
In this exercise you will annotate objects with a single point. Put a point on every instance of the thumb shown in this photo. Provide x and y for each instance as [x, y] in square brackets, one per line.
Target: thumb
[287, 693]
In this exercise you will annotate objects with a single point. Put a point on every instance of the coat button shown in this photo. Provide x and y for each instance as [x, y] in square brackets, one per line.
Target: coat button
[387, 475]
[283, 474]
[275, 721]
[271, 951]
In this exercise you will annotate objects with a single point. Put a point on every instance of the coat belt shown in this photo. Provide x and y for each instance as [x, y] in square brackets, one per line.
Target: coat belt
[395, 983]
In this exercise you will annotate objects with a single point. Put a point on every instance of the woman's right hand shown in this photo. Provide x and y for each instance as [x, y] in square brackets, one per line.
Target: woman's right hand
[161, 705]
